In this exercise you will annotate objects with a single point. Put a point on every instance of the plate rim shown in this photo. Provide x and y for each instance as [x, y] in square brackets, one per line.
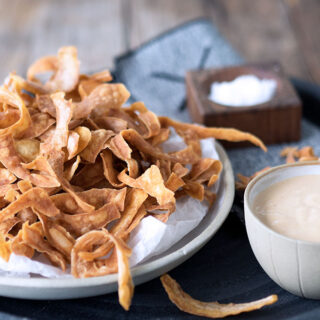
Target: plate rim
[156, 265]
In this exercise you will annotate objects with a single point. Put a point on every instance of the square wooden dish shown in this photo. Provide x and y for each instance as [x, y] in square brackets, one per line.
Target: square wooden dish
[278, 120]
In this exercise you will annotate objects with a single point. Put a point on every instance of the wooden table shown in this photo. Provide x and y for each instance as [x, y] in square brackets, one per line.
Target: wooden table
[283, 30]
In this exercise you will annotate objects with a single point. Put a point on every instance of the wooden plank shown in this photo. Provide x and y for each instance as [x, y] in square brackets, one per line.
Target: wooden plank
[304, 17]
[149, 18]
[283, 30]
[30, 29]
[260, 31]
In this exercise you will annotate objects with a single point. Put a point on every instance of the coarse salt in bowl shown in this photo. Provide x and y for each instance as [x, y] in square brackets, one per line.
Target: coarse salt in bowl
[243, 91]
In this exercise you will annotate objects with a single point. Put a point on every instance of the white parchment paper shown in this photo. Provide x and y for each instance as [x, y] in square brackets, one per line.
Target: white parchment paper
[152, 237]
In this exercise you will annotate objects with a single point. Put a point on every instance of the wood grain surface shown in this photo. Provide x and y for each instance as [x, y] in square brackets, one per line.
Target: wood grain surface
[283, 30]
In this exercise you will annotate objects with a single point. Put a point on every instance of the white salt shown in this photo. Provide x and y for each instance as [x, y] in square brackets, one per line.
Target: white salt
[246, 90]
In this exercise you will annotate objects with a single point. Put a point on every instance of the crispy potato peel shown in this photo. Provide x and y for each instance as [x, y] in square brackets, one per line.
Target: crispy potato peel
[209, 309]
[79, 170]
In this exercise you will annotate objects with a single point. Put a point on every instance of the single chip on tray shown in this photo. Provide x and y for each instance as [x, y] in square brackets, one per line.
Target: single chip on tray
[209, 309]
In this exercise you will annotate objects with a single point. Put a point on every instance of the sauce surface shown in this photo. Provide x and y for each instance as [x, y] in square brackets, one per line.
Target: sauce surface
[292, 207]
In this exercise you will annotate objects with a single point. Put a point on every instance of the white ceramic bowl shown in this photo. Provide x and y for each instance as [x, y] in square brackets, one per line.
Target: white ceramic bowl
[292, 264]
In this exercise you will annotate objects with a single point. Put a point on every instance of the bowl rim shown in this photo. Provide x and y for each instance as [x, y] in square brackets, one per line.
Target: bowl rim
[248, 209]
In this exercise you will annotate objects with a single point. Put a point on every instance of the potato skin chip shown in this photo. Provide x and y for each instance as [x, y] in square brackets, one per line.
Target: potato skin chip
[33, 236]
[123, 252]
[96, 144]
[5, 249]
[79, 170]
[67, 75]
[146, 182]
[102, 98]
[28, 149]
[6, 177]
[19, 247]
[218, 133]
[35, 197]
[49, 63]
[65, 68]
[64, 111]
[24, 121]
[40, 123]
[209, 309]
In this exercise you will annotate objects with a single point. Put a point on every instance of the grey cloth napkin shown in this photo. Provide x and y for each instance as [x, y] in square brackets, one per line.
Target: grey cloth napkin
[154, 73]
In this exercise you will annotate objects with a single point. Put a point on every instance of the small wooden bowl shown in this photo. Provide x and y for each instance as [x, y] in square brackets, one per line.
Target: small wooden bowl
[275, 121]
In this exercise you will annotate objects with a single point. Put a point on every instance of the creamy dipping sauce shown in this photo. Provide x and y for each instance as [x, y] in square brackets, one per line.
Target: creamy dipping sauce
[292, 207]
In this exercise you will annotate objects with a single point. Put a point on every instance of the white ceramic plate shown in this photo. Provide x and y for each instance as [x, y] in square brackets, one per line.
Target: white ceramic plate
[44, 288]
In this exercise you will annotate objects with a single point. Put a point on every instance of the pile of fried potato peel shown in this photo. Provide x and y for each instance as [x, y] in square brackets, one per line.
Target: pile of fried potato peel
[73, 160]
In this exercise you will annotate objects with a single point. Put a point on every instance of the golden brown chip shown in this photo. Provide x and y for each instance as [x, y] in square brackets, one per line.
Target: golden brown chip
[184, 156]
[194, 190]
[217, 133]
[111, 123]
[8, 224]
[33, 236]
[133, 203]
[81, 223]
[19, 247]
[209, 309]
[21, 84]
[110, 173]
[206, 170]
[6, 177]
[24, 186]
[8, 116]
[293, 154]
[40, 123]
[5, 249]
[14, 100]
[96, 197]
[243, 181]
[147, 118]
[103, 97]
[45, 64]
[56, 160]
[5, 188]
[82, 268]
[147, 182]
[163, 136]
[36, 198]
[96, 144]
[10, 158]
[72, 145]
[71, 168]
[64, 113]
[89, 175]
[84, 137]
[65, 68]
[57, 236]
[11, 195]
[28, 149]
[101, 76]
[46, 105]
